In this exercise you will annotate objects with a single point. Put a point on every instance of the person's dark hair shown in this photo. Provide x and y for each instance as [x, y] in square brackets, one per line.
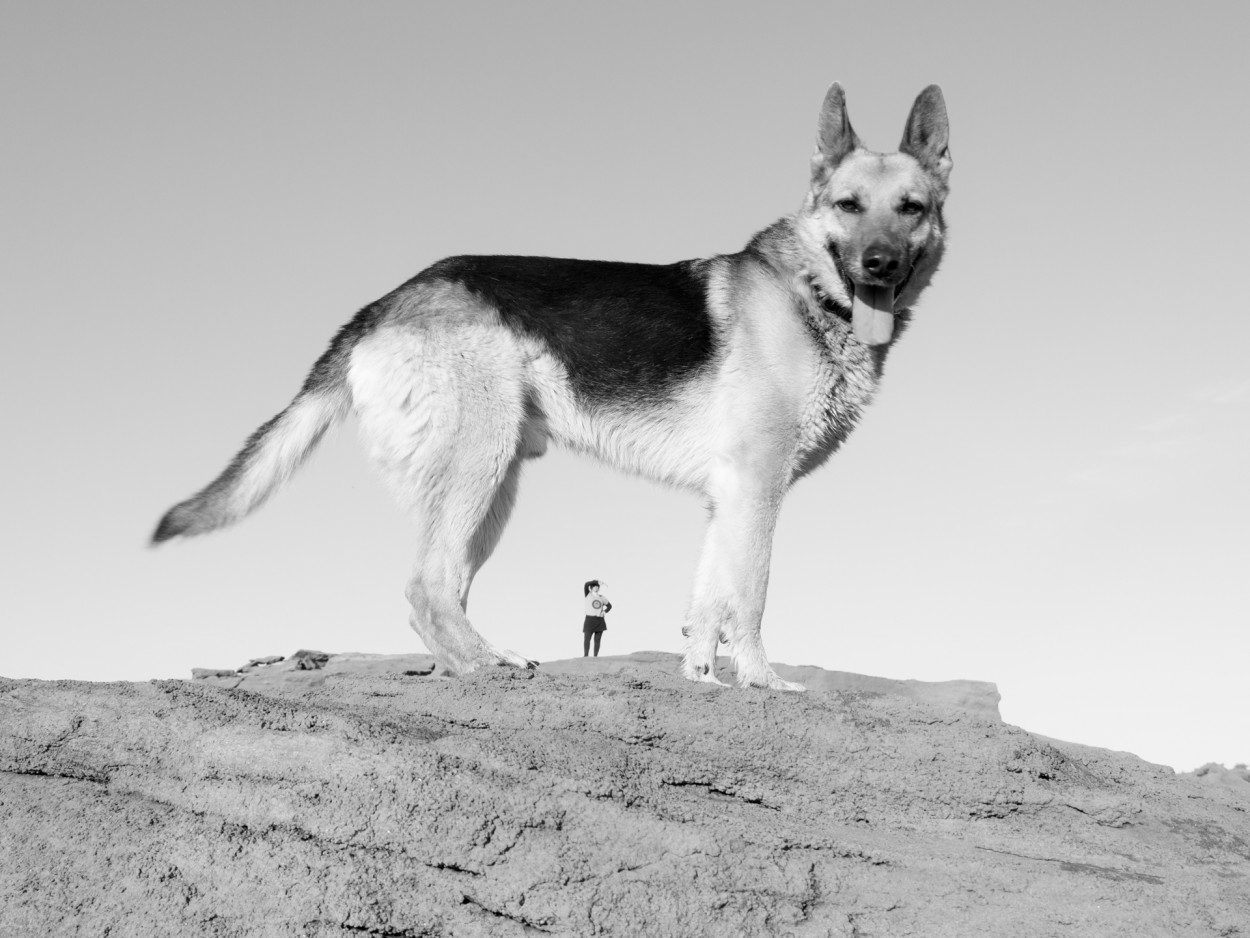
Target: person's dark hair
[589, 584]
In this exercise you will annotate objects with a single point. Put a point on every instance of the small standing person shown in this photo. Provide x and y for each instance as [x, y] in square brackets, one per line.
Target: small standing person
[597, 606]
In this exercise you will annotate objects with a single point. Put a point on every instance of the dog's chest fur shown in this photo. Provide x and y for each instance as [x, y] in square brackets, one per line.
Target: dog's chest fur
[844, 380]
[819, 376]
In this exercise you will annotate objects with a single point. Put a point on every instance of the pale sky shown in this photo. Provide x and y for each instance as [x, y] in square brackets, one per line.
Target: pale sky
[1049, 492]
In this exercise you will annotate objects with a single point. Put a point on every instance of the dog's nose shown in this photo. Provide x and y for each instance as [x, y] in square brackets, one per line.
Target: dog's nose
[881, 260]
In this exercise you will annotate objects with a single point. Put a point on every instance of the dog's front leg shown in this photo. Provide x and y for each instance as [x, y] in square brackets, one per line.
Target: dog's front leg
[732, 580]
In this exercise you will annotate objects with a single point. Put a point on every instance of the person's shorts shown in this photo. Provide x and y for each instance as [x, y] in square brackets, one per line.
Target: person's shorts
[594, 624]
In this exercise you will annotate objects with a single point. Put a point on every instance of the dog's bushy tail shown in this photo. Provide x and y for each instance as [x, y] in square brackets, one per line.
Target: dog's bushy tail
[274, 451]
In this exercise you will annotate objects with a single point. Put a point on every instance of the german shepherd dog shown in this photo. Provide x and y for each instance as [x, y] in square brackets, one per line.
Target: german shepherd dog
[730, 376]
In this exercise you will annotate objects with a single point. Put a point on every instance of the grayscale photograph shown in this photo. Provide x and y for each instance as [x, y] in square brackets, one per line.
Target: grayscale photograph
[591, 469]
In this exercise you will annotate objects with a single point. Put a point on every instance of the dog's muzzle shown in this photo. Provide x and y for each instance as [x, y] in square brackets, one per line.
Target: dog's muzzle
[872, 304]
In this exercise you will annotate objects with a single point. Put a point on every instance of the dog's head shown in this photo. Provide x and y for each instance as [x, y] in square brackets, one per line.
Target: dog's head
[871, 224]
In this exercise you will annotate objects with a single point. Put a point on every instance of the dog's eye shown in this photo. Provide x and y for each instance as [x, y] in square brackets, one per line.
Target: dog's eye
[848, 205]
[911, 208]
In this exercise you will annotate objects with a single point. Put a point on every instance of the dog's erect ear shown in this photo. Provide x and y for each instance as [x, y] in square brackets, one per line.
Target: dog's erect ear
[927, 135]
[834, 136]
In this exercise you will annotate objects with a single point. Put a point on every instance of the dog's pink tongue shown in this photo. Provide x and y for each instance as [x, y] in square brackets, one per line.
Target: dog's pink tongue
[872, 314]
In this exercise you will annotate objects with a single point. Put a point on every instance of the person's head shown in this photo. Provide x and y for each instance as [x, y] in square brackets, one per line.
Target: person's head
[590, 585]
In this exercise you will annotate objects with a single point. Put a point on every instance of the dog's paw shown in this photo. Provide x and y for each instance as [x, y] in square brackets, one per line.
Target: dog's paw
[510, 659]
[704, 674]
[769, 680]
[489, 657]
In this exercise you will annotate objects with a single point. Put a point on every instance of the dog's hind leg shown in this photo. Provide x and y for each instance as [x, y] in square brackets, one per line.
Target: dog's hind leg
[533, 443]
[486, 538]
[444, 417]
[450, 555]
[732, 581]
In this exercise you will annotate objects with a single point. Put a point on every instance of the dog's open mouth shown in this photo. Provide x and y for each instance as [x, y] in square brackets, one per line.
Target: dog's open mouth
[872, 305]
[872, 308]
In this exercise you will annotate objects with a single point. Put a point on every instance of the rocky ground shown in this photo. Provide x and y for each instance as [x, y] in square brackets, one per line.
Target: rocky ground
[349, 795]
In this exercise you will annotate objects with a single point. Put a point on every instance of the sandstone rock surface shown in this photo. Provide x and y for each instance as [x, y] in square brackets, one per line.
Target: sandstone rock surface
[591, 797]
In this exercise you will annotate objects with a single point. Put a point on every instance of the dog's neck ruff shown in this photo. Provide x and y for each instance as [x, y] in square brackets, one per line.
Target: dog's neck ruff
[826, 302]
